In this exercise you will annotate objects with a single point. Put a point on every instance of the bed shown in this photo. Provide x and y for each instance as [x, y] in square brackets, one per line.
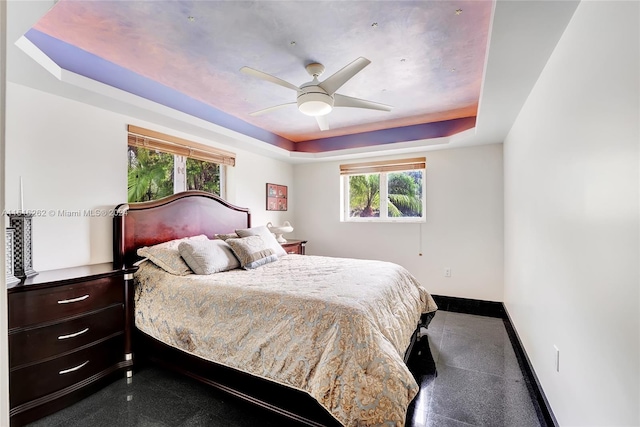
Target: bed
[320, 340]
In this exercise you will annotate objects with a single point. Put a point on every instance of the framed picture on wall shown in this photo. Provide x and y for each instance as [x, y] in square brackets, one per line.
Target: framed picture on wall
[277, 197]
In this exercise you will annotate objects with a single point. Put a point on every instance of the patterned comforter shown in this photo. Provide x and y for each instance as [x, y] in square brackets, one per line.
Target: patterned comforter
[334, 328]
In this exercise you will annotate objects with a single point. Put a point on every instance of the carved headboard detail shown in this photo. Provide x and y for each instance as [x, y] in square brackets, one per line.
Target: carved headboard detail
[185, 214]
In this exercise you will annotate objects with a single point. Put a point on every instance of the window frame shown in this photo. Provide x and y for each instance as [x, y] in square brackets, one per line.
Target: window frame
[383, 169]
[181, 150]
[180, 171]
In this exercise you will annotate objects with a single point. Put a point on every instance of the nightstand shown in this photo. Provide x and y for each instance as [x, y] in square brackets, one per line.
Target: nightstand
[294, 246]
[67, 336]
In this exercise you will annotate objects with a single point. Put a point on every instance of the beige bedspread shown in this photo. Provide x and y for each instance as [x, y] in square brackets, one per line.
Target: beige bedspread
[332, 327]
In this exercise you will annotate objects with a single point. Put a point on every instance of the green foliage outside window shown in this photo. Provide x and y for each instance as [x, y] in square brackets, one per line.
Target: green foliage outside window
[150, 174]
[204, 176]
[364, 195]
[405, 189]
[404, 194]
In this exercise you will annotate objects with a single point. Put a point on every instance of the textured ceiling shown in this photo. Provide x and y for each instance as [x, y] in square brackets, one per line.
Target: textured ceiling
[427, 61]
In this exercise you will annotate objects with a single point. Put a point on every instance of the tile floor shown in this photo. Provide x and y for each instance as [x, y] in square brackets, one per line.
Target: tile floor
[468, 372]
[477, 379]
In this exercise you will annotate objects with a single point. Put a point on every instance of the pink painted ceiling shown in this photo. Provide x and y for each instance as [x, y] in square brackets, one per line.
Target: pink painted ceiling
[427, 57]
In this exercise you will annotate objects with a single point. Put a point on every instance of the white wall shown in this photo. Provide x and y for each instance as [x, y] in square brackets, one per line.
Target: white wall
[4, 346]
[247, 186]
[572, 219]
[72, 156]
[463, 230]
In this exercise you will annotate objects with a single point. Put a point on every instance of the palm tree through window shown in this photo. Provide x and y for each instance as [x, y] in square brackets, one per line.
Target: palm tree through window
[388, 193]
[153, 174]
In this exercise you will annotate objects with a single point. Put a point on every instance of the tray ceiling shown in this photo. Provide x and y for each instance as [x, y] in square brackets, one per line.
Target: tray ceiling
[427, 61]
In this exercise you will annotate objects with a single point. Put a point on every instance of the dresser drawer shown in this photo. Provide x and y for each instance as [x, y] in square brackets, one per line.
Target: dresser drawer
[35, 344]
[50, 304]
[39, 380]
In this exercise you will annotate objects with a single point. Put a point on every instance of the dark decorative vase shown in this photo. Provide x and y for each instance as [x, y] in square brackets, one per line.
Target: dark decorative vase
[23, 254]
[10, 237]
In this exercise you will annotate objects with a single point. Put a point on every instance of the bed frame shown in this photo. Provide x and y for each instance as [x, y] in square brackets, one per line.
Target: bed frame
[188, 214]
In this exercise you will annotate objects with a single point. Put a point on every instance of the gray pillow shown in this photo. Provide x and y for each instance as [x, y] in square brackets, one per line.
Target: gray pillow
[252, 251]
[166, 256]
[267, 236]
[208, 256]
[227, 236]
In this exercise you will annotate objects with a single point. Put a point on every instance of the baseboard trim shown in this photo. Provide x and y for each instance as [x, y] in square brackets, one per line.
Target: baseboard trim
[470, 306]
[498, 310]
[540, 403]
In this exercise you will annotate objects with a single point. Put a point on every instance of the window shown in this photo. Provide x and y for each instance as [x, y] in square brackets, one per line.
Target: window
[204, 176]
[150, 174]
[384, 191]
[160, 165]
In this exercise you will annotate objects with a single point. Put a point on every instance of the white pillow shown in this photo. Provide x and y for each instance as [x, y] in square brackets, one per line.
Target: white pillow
[166, 256]
[252, 251]
[208, 256]
[268, 237]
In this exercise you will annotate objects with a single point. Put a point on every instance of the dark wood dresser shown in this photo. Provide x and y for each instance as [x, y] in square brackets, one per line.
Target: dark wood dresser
[67, 337]
[294, 246]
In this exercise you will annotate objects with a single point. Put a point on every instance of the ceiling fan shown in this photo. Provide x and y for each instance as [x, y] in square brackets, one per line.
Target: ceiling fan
[317, 98]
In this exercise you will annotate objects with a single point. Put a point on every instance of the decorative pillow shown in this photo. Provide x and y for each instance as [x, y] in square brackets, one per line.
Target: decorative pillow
[208, 256]
[252, 251]
[227, 236]
[266, 235]
[166, 256]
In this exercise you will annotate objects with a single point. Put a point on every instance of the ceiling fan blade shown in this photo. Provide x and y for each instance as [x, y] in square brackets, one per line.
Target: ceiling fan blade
[270, 109]
[347, 101]
[268, 77]
[323, 122]
[334, 82]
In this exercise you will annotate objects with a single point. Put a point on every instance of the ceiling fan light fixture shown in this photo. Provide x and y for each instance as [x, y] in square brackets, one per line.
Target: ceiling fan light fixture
[315, 108]
[317, 99]
[315, 104]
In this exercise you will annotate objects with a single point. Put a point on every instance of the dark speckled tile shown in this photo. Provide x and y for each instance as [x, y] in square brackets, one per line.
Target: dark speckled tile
[204, 419]
[481, 399]
[493, 355]
[418, 412]
[143, 405]
[465, 366]
[439, 421]
[469, 325]
[435, 333]
[437, 323]
[435, 344]
[74, 415]
[196, 393]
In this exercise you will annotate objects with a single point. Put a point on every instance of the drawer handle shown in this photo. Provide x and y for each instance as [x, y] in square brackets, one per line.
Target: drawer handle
[66, 371]
[291, 252]
[64, 337]
[67, 301]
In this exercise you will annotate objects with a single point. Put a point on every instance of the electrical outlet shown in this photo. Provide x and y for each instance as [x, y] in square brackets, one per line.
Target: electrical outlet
[557, 358]
[447, 272]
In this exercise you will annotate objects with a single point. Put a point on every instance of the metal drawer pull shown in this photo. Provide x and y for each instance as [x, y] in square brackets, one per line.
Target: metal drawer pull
[67, 301]
[64, 337]
[66, 371]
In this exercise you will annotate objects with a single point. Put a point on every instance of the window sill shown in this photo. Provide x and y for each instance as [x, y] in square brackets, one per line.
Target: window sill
[389, 220]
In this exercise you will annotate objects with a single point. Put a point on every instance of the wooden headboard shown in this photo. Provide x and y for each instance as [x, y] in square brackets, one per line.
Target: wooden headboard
[185, 214]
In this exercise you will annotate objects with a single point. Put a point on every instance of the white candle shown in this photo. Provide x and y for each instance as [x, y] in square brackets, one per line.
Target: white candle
[21, 197]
